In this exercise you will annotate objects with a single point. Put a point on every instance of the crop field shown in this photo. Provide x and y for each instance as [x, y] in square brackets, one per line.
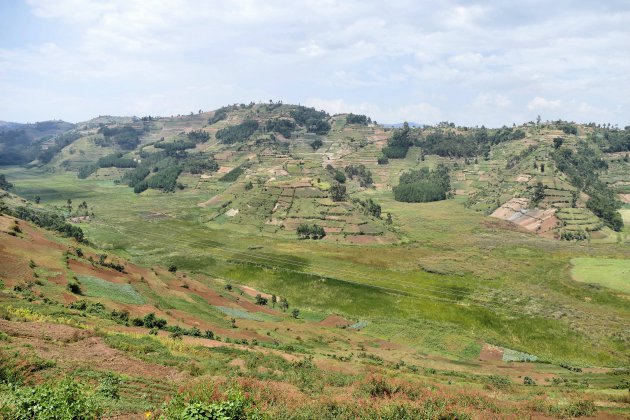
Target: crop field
[611, 273]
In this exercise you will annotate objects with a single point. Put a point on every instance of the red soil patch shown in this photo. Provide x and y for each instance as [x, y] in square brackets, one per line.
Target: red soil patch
[362, 239]
[335, 321]
[490, 353]
[253, 292]
[86, 269]
[72, 346]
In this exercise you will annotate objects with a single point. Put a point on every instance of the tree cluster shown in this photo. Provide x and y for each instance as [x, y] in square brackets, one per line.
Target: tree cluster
[358, 119]
[369, 207]
[314, 121]
[236, 133]
[399, 143]
[306, 231]
[423, 185]
[582, 167]
[363, 174]
[126, 137]
[282, 126]
[198, 136]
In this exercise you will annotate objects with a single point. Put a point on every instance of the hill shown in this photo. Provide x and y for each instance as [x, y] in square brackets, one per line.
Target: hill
[403, 306]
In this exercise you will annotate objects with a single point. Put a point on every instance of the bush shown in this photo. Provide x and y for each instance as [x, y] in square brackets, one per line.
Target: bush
[316, 144]
[110, 386]
[66, 400]
[75, 288]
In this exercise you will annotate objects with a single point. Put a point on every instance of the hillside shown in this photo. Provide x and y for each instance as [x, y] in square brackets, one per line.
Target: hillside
[502, 294]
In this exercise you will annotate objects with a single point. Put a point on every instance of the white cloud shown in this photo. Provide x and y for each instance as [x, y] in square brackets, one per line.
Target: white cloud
[468, 62]
[539, 103]
[495, 100]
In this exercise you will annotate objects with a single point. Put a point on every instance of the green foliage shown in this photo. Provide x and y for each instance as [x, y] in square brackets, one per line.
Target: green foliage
[314, 121]
[306, 231]
[338, 192]
[369, 207]
[198, 166]
[423, 185]
[236, 133]
[470, 143]
[538, 195]
[174, 148]
[110, 386]
[358, 119]
[557, 142]
[198, 136]
[399, 143]
[339, 176]
[382, 160]
[605, 205]
[316, 144]
[260, 300]
[361, 172]
[222, 113]
[68, 400]
[233, 174]
[184, 407]
[47, 220]
[582, 168]
[165, 180]
[126, 137]
[570, 129]
[136, 177]
[282, 126]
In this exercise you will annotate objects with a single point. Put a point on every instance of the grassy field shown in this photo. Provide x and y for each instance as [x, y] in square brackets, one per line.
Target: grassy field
[611, 273]
[435, 288]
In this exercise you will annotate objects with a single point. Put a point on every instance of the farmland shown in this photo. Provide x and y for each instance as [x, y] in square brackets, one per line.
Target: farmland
[435, 294]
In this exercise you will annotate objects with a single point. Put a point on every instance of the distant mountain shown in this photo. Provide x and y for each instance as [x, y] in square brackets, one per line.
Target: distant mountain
[22, 143]
[7, 125]
[38, 130]
[398, 125]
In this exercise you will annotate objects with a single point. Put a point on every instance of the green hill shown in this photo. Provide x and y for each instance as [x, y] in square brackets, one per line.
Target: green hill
[201, 220]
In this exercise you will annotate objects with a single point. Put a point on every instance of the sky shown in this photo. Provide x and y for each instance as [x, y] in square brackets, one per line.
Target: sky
[487, 63]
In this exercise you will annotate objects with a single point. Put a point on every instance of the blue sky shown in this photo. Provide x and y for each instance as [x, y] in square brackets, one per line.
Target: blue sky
[493, 62]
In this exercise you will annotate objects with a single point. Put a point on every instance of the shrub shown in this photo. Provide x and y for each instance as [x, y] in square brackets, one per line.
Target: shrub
[66, 400]
[110, 386]
[529, 381]
[75, 288]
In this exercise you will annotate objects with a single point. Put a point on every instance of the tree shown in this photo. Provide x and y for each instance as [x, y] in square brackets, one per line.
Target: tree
[338, 192]
[557, 142]
[37, 199]
[316, 144]
[542, 167]
[261, 300]
[172, 268]
[284, 304]
[339, 176]
[295, 313]
[538, 195]
[274, 300]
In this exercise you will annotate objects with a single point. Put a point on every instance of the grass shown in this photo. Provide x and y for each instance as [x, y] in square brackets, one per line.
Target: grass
[611, 273]
[122, 293]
